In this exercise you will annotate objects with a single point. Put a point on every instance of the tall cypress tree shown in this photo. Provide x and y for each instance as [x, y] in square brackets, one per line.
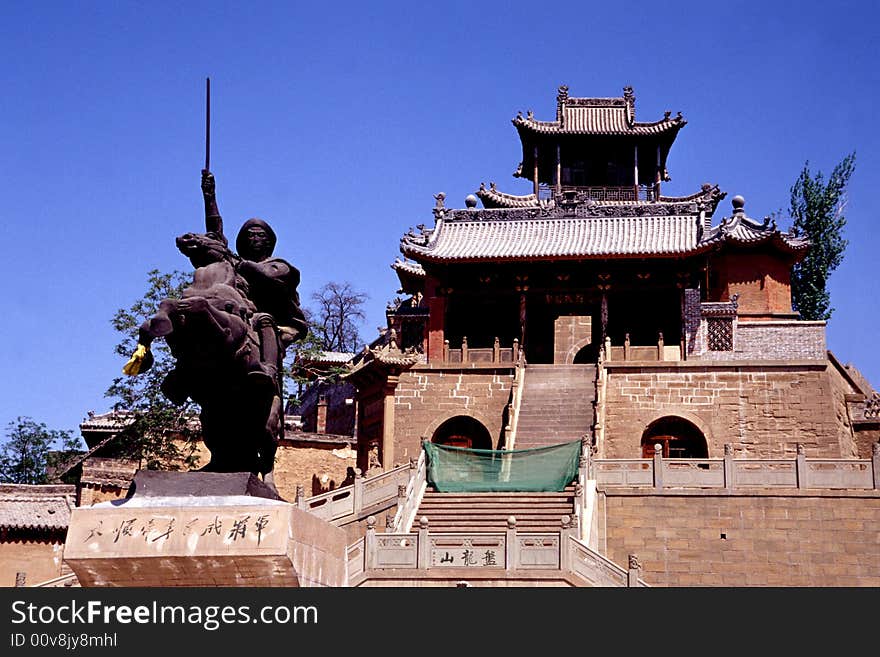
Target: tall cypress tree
[817, 211]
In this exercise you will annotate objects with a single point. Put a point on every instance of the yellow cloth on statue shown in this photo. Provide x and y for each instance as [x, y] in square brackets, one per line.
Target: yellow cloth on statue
[133, 366]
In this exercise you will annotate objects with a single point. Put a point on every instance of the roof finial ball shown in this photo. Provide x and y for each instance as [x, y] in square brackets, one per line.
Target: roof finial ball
[738, 202]
[470, 201]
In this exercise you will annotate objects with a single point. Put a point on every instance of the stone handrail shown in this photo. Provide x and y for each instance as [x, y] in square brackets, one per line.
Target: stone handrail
[496, 354]
[354, 499]
[421, 550]
[597, 569]
[658, 352]
[509, 550]
[729, 473]
[354, 558]
[515, 403]
[63, 581]
[412, 497]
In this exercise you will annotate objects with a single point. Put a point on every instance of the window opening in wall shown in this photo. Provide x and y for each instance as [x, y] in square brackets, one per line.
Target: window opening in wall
[720, 333]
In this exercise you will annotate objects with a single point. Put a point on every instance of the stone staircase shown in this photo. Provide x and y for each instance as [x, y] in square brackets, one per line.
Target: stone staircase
[534, 512]
[557, 404]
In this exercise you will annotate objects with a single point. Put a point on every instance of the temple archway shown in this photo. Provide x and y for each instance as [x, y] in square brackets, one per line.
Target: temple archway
[679, 439]
[586, 355]
[463, 431]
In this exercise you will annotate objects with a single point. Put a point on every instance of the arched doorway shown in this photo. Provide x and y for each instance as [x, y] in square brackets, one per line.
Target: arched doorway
[587, 355]
[463, 431]
[679, 439]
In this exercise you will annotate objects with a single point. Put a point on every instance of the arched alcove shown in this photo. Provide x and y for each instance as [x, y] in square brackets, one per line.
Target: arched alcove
[679, 438]
[587, 355]
[463, 431]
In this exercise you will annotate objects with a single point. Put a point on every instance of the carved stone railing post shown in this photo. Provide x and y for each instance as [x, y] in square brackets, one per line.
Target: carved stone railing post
[511, 550]
[370, 544]
[660, 346]
[446, 351]
[357, 492]
[626, 347]
[875, 464]
[300, 498]
[607, 355]
[567, 530]
[424, 546]
[585, 465]
[401, 498]
[633, 571]
[801, 466]
[658, 465]
[464, 349]
[496, 351]
[728, 467]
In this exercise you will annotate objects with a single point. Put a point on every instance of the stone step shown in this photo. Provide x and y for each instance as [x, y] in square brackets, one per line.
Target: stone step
[533, 511]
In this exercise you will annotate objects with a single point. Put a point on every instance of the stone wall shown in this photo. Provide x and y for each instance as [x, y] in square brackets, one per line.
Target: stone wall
[696, 538]
[299, 462]
[763, 410]
[753, 339]
[772, 340]
[39, 557]
[428, 395]
[570, 334]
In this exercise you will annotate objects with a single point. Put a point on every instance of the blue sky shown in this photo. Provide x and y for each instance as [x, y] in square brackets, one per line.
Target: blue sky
[338, 122]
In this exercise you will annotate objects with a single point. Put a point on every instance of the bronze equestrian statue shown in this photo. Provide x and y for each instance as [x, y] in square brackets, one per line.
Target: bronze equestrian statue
[228, 333]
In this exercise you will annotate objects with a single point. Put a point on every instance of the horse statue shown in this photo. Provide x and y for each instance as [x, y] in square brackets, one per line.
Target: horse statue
[228, 332]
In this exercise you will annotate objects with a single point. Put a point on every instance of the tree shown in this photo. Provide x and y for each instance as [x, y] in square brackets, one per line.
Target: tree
[156, 432]
[23, 456]
[335, 319]
[333, 326]
[817, 209]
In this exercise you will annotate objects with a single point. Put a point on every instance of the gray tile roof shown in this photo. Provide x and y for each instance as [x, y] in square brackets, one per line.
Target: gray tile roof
[36, 507]
[597, 116]
[572, 237]
[492, 198]
[742, 230]
[409, 268]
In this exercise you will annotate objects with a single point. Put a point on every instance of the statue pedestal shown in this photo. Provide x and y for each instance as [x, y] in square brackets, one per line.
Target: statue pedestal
[203, 529]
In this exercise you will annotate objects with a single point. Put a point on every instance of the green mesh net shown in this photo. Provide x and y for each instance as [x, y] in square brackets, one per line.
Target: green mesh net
[458, 469]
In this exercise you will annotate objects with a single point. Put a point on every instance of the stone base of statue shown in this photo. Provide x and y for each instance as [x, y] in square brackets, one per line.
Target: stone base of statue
[203, 529]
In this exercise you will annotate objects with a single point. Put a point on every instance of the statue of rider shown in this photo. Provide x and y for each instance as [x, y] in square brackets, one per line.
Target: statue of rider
[267, 283]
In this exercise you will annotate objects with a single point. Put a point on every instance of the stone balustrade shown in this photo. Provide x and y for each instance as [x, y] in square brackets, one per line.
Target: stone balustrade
[729, 473]
[507, 551]
[466, 354]
[351, 501]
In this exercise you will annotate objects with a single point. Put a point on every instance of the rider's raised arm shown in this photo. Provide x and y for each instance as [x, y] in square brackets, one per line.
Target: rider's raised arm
[213, 220]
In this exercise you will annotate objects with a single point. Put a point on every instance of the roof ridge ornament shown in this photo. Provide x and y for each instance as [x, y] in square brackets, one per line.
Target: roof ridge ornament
[561, 97]
[629, 98]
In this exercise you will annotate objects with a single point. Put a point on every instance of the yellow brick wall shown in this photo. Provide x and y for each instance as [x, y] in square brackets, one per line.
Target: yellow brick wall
[40, 560]
[818, 539]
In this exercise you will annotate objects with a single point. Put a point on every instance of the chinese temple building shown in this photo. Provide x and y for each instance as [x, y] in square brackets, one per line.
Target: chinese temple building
[597, 307]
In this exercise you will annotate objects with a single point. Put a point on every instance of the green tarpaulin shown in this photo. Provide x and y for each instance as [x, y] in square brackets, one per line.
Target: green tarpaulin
[458, 469]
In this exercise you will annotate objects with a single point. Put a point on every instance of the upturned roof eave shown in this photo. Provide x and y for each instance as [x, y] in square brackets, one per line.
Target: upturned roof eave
[526, 127]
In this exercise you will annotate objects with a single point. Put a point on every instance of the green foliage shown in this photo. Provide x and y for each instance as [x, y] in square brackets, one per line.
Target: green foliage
[155, 429]
[817, 209]
[24, 455]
